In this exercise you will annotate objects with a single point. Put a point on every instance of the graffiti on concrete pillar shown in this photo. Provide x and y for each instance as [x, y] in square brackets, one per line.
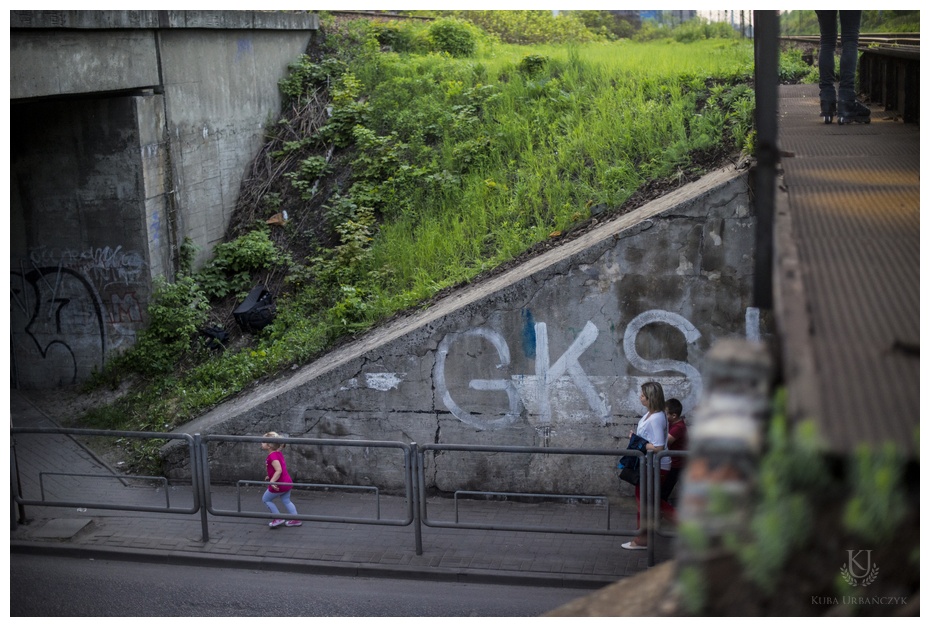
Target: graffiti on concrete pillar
[103, 265]
[70, 308]
[57, 324]
[658, 316]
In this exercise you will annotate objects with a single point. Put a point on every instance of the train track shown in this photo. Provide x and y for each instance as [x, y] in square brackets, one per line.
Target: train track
[906, 45]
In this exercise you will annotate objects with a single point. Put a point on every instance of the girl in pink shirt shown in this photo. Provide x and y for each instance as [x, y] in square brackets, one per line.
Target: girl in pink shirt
[276, 473]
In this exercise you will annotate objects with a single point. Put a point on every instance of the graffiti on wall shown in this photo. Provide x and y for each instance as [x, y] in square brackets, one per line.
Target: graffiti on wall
[102, 265]
[550, 377]
[69, 308]
[57, 324]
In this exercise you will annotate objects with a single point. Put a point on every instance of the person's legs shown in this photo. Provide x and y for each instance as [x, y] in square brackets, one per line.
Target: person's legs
[849, 53]
[268, 499]
[826, 60]
[286, 502]
[640, 540]
[668, 480]
[849, 109]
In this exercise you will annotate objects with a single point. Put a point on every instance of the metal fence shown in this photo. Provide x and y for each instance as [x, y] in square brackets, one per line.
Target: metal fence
[415, 512]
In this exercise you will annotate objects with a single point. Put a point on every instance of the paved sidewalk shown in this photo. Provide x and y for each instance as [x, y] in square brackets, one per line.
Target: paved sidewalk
[538, 558]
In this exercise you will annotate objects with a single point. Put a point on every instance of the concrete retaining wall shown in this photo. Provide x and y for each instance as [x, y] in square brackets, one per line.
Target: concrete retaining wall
[550, 354]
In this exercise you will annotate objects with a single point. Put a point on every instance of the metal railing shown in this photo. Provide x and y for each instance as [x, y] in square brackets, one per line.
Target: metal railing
[529, 495]
[16, 490]
[520, 450]
[655, 471]
[415, 510]
[162, 480]
[320, 486]
[409, 492]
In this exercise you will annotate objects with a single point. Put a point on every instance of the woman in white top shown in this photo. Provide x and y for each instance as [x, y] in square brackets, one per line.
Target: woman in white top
[653, 427]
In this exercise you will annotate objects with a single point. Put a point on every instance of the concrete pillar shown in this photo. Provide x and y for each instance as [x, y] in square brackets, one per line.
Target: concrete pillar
[725, 440]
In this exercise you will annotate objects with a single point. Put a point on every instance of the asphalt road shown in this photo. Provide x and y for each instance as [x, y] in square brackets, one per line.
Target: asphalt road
[62, 586]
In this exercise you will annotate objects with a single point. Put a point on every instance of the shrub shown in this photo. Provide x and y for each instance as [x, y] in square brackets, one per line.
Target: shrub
[453, 36]
[532, 64]
[233, 262]
[305, 76]
[176, 312]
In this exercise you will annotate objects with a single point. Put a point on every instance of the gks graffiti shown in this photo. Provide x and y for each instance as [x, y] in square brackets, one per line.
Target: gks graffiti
[548, 373]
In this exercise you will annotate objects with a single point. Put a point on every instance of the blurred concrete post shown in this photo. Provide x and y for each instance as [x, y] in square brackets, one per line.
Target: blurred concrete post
[725, 442]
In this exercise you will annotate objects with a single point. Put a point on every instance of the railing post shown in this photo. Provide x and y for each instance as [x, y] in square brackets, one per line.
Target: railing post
[200, 473]
[15, 489]
[651, 519]
[415, 495]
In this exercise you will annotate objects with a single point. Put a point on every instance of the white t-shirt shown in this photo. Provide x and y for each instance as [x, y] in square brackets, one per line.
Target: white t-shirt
[654, 428]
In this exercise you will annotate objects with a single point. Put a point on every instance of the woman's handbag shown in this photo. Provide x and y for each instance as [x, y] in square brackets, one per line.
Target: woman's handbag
[629, 464]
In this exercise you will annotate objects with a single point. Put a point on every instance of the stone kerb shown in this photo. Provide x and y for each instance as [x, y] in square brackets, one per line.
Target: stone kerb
[549, 354]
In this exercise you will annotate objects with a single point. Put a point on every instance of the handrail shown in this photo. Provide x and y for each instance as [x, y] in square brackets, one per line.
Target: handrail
[18, 498]
[408, 454]
[426, 520]
[414, 481]
[323, 486]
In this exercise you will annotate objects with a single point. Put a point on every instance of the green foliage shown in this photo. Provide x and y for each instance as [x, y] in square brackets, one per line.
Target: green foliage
[693, 589]
[447, 167]
[346, 263]
[394, 36]
[532, 64]
[348, 111]
[878, 504]
[529, 27]
[186, 253]
[453, 36]
[791, 66]
[698, 29]
[309, 171]
[605, 23]
[790, 475]
[793, 477]
[233, 263]
[176, 311]
[305, 76]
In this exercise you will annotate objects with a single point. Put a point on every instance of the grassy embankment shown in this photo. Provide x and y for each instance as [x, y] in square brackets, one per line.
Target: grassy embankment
[431, 170]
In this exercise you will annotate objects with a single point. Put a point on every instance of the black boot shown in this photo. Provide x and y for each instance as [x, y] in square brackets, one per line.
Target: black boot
[827, 110]
[850, 111]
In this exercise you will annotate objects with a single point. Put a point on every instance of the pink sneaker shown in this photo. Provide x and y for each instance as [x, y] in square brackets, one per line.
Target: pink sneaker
[293, 523]
[277, 522]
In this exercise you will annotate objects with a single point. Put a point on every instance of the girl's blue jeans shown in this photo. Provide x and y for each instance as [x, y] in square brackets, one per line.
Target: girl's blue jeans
[268, 499]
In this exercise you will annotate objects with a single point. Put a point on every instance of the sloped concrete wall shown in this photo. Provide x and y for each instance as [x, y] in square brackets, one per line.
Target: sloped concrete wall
[549, 354]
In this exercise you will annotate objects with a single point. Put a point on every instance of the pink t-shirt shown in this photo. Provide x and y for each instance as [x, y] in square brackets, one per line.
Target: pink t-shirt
[269, 470]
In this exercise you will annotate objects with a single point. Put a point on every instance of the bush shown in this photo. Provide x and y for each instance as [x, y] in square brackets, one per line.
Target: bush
[532, 64]
[233, 262]
[176, 312]
[453, 36]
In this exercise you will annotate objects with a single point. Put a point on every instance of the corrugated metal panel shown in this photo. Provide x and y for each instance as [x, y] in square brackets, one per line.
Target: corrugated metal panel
[854, 200]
